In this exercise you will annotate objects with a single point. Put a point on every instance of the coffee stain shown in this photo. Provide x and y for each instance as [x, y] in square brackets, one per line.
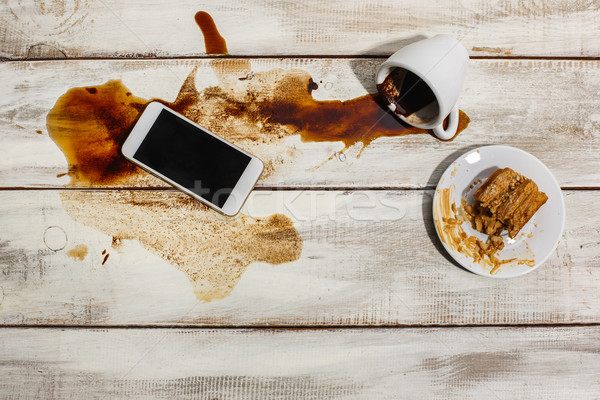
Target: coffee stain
[105, 254]
[494, 50]
[213, 41]
[257, 113]
[89, 126]
[212, 251]
[282, 103]
[78, 252]
[277, 104]
[116, 243]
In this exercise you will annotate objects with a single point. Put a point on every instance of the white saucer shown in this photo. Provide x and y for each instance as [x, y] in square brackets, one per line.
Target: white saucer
[538, 238]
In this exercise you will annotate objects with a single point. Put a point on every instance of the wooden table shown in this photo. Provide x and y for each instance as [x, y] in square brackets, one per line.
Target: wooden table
[332, 284]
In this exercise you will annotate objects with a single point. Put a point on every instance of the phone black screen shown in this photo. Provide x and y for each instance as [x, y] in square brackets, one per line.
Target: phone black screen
[191, 157]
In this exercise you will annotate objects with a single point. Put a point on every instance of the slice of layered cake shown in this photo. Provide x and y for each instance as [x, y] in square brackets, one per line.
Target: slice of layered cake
[506, 200]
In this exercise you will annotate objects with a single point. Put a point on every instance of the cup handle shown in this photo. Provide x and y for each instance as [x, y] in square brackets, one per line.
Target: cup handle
[450, 130]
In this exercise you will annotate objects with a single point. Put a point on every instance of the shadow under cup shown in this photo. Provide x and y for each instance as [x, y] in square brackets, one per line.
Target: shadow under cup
[409, 96]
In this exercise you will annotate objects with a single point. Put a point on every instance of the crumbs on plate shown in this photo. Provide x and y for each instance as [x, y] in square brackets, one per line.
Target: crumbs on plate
[506, 201]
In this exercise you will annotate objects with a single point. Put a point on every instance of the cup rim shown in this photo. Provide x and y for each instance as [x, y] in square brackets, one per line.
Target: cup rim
[398, 64]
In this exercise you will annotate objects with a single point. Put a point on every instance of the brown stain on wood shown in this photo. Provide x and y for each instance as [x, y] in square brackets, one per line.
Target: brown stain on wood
[89, 125]
[212, 251]
[116, 243]
[78, 252]
[259, 113]
[213, 41]
[105, 254]
[493, 50]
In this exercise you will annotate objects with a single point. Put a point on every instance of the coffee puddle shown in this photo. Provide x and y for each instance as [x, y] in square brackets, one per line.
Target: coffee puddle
[89, 125]
[256, 111]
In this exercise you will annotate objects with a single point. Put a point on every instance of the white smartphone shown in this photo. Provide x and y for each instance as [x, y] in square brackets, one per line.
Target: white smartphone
[194, 160]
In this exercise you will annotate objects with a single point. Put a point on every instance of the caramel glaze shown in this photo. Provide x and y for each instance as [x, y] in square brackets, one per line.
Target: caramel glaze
[448, 219]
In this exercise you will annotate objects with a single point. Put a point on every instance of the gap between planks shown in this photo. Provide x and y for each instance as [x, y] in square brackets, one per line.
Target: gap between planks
[259, 188]
[305, 327]
[300, 56]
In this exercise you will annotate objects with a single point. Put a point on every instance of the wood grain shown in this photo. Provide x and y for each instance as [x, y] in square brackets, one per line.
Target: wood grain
[307, 364]
[108, 28]
[368, 258]
[548, 108]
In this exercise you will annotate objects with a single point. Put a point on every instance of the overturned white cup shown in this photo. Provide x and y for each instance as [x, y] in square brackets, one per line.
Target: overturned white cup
[424, 81]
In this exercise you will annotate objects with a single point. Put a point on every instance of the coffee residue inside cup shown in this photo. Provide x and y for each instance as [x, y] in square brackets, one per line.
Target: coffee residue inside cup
[410, 96]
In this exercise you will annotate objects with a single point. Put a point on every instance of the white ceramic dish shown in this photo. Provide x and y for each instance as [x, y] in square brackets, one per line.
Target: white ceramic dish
[538, 238]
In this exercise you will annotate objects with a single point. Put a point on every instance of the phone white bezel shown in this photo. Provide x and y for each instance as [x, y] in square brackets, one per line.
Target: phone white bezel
[242, 188]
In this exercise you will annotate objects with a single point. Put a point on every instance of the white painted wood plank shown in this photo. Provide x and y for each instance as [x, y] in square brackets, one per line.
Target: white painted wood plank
[367, 258]
[109, 28]
[472, 363]
[548, 108]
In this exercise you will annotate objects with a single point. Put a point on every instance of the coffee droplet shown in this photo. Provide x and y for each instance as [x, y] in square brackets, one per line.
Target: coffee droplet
[78, 252]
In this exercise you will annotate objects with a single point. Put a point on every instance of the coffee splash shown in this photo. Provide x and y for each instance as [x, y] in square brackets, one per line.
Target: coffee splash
[282, 102]
[256, 111]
